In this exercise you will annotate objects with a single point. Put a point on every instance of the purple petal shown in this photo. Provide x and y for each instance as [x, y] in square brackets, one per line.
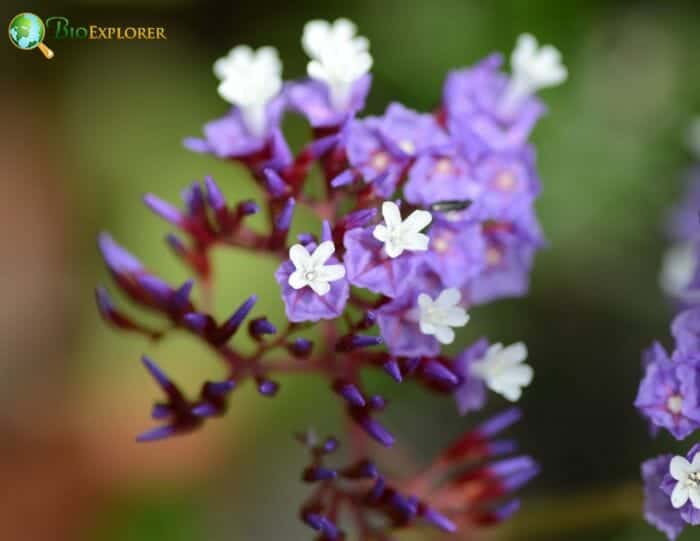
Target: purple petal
[164, 209]
[214, 196]
[158, 433]
[117, 258]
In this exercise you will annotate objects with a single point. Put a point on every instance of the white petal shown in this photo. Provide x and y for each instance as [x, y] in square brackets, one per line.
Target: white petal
[392, 249]
[322, 252]
[456, 317]
[417, 220]
[525, 49]
[220, 68]
[330, 273]
[695, 497]
[299, 256]
[511, 393]
[316, 70]
[515, 353]
[521, 375]
[679, 495]
[344, 29]
[320, 287]
[391, 213]
[314, 36]
[427, 328]
[448, 297]
[444, 334]
[268, 57]
[381, 233]
[297, 280]
[417, 242]
[695, 464]
[679, 468]
[494, 350]
[424, 301]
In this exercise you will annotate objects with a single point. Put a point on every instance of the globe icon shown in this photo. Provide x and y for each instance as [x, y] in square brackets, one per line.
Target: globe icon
[27, 32]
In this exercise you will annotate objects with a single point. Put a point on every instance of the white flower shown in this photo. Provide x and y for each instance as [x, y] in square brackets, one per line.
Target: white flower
[310, 269]
[437, 317]
[338, 57]
[678, 270]
[504, 370]
[318, 33]
[249, 80]
[398, 235]
[687, 476]
[533, 68]
[693, 136]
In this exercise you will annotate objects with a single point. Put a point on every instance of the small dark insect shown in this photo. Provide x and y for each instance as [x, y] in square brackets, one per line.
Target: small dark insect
[447, 206]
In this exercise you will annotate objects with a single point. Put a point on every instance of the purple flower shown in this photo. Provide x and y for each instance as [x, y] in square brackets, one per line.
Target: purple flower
[469, 235]
[658, 510]
[681, 486]
[399, 324]
[312, 300]
[427, 309]
[686, 330]
[683, 222]
[473, 101]
[509, 185]
[134, 280]
[229, 138]
[442, 175]
[680, 271]
[510, 251]
[668, 395]
[381, 149]
[369, 266]
[457, 252]
[471, 393]
[311, 98]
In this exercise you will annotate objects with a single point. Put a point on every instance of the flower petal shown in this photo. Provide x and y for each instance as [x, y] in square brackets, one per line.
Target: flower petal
[393, 249]
[448, 298]
[322, 253]
[444, 334]
[679, 468]
[416, 242]
[299, 256]
[679, 496]
[694, 494]
[417, 220]
[424, 301]
[511, 393]
[381, 233]
[297, 280]
[391, 213]
[427, 328]
[456, 317]
[515, 353]
[330, 273]
[320, 287]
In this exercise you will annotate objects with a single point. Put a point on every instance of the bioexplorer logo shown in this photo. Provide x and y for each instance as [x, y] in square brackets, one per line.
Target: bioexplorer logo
[60, 28]
[27, 31]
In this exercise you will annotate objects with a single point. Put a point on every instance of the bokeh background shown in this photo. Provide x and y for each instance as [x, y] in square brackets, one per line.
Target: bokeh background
[92, 130]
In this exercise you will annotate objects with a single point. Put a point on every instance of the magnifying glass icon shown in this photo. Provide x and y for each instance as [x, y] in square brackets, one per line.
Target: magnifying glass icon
[27, 32]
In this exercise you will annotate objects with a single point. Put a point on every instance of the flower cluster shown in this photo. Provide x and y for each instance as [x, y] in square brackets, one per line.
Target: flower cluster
[669, 394]
[462, 488]
[422, 217]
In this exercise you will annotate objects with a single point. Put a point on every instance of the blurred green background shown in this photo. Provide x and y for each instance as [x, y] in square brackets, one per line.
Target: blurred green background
[93, 129]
